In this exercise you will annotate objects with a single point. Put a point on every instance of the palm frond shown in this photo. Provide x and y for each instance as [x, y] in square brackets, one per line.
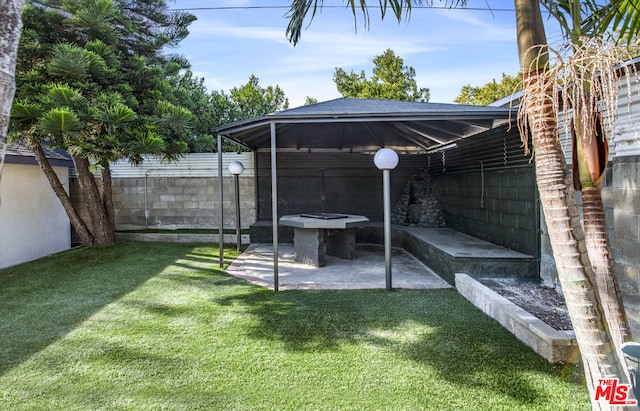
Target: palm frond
[23, 112]
[297, 14]
[121, 113]
[624, 17]
[61, 94]
[69, 61]
[59, 120]
[300, 9]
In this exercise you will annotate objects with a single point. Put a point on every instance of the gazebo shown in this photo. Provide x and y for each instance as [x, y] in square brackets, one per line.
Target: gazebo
[328, 148]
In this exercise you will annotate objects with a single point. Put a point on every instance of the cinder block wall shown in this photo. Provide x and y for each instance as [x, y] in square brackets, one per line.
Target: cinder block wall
[180, 202]
[350, 181]
[621, 197]
[178, 195]
[622, 200]
[505, 214]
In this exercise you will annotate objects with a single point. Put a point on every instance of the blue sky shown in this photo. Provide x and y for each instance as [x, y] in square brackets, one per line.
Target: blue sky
[448, 48]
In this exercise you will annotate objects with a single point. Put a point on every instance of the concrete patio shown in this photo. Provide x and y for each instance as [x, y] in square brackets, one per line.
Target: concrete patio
[365, 271]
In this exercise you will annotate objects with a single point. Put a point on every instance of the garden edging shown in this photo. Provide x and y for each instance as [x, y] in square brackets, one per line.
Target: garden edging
[554, 345]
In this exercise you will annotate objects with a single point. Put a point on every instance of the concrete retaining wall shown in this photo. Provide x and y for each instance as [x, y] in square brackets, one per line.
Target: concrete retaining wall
[181, 238]
[555, 346]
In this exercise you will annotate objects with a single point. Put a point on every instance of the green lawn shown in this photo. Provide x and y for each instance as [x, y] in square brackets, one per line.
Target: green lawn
[156, 326]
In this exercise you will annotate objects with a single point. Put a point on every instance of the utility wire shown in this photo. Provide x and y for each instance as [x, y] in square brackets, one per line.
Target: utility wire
[330, 7]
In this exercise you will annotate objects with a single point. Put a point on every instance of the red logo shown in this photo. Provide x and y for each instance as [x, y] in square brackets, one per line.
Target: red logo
[614, 393]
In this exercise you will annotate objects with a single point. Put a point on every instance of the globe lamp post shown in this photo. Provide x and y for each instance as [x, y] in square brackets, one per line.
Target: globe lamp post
[236, 168]
[386, 159]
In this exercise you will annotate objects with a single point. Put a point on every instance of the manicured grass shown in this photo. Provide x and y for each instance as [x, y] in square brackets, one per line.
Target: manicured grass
[156, 326]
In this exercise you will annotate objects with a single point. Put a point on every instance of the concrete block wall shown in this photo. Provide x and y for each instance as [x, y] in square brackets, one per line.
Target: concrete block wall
[180, 202]
[504, 213]
[350, 181]
[621, 197]
[623, 202]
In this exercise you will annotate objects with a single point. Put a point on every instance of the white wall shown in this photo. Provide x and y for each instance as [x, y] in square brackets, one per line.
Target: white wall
[33, 223]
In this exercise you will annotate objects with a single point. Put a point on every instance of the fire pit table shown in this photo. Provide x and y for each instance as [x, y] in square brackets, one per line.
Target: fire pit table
[317, 234]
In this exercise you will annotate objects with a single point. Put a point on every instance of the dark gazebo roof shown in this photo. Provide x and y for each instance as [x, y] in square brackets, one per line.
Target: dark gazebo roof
[366, 125]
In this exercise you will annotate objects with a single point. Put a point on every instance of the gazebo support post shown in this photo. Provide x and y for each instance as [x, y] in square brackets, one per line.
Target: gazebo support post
[386, 182]
[238, 228]
[274, 206]
[220, 199]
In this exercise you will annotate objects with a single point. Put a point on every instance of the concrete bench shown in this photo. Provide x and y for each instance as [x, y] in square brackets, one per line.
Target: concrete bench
[448, 252]
[444, 250]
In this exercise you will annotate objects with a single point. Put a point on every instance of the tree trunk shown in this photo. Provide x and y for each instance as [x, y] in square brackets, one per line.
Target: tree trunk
[569, 249]
[590, 157]
[77, 222]
[107, 198]
[102, 233]
[597, 240]
[10, 30]
[599, 357]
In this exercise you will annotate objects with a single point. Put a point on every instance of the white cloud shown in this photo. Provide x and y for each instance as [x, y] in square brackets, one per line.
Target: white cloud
[466, 26]
[217, 30]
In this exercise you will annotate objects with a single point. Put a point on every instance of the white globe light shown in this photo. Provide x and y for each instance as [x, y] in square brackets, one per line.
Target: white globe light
[386, 159]
[236, 168]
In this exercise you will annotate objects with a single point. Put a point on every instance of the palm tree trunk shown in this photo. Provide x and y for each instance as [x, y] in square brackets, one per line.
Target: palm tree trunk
[569, 247]
[597, 240]
[76, 221]
[599, 357]
[102, 234]
[590, 157]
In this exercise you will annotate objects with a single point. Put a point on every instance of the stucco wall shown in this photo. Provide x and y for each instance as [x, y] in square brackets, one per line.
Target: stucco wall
[34, 224]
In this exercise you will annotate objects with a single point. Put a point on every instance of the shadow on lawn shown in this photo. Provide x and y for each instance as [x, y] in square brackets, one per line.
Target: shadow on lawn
[459, 342]
[43, 300]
